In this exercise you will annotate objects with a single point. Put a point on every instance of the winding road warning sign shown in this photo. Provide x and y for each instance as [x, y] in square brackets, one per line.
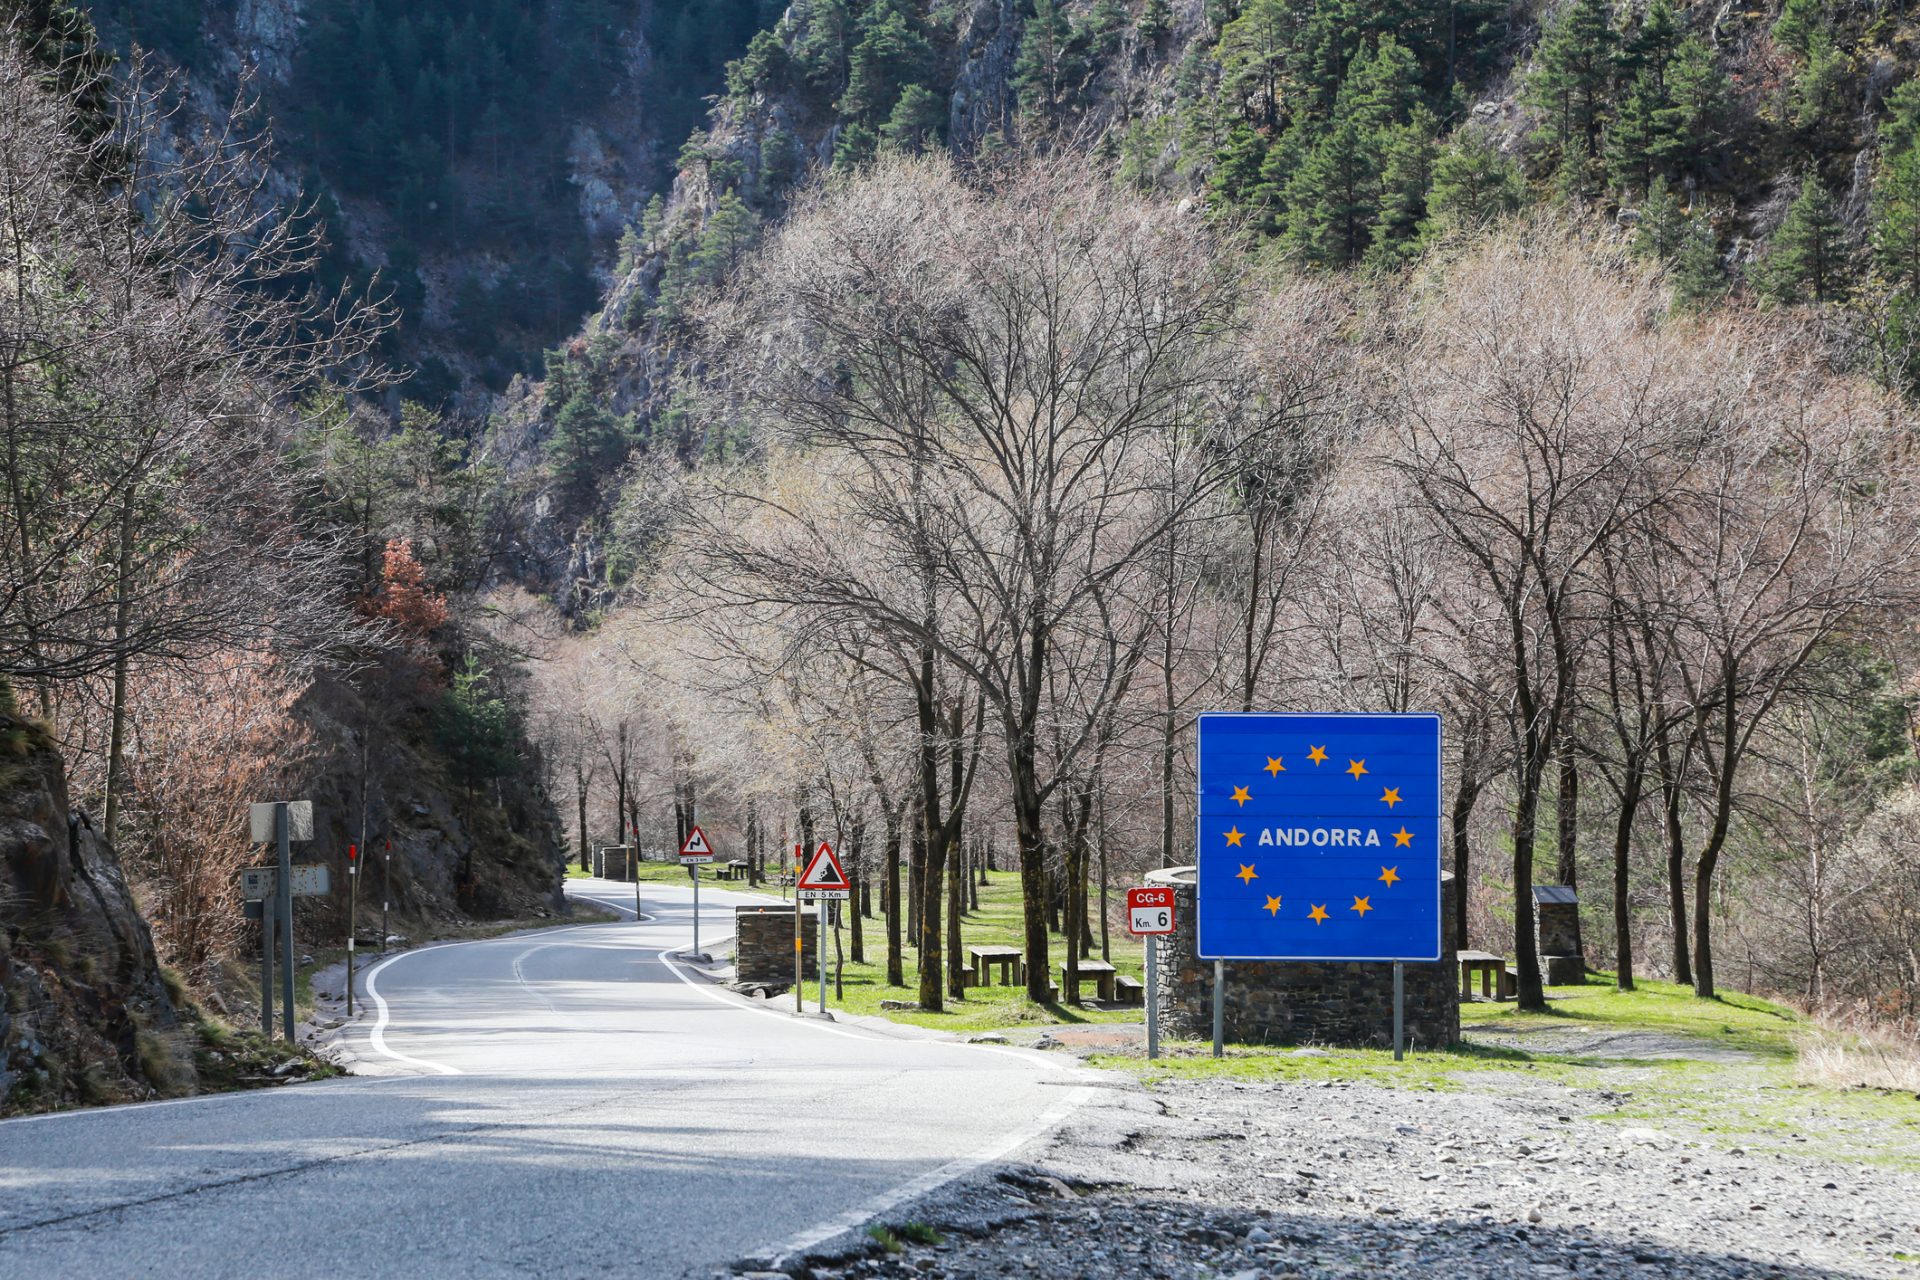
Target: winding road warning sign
[823, 877]
[696, 850]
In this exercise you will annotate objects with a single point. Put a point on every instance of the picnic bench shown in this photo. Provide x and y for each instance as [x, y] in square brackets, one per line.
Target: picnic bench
[734, 870]
[1012, 962]
[1100, 971]
[1492, 970]
[1130, 990]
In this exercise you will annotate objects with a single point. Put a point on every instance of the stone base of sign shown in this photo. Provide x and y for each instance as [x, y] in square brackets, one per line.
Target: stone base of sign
[763, 946]
[1563, 971]
[1291, 1002]
[613, 864]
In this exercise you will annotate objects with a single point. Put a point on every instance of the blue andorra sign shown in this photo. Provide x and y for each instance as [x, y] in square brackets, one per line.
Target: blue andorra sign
[1319, 837]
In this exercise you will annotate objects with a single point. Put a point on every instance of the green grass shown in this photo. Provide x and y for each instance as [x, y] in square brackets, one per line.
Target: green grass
[997, 922]
[1734, 1021]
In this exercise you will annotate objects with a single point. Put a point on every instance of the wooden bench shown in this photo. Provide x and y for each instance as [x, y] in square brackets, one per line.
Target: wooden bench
[1492, 970]
[1130, 990]
[1012, 962]
[1100, 971]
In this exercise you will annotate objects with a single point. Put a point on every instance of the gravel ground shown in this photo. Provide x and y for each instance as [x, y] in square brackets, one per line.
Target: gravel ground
[1514, 1176]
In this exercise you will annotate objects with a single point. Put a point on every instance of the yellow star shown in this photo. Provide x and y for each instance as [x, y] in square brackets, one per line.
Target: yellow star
[1274, 766]
[1247, 873]
[1356, 768]
[1318, 755]
[1240, 796]
[1390, 797]
[1273, 906]
[1234, 836]
[1391, 875]
[1362, 905]
[1403, 838]
[1318, 915]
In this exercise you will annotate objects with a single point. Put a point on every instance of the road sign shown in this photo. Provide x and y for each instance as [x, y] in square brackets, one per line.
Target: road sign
[310, 880]
[299, 821]
[823, 877]
[1319, 837]
[696, 850]
[1149, 911]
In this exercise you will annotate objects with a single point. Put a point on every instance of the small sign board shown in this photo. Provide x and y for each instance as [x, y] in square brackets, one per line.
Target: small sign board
[823, 877]
[310, 880]
[299, 821]
[1149, 911]
[695, 850]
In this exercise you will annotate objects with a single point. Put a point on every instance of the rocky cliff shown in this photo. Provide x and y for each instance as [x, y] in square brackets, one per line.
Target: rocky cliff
[85, 1015]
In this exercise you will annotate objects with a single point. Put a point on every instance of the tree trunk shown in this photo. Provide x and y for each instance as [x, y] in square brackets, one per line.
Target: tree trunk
[857, 873]
[896, 968]
[1567, 820]
[1670, 796]
[956, 904]
[122, 623]
[1623, 847]
[916, 864]
[1465, 796]
[580, 794]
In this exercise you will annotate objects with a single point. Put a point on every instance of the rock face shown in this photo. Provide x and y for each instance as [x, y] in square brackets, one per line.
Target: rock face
[1284, 1002]
[84, 1014]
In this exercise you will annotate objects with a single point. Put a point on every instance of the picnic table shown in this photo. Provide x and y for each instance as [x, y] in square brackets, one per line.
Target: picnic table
[1492, 970]
[734, 870]
[1099, 970]
[1012, 962]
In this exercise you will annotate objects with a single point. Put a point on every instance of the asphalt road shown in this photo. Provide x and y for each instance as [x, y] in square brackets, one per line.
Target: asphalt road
[568, 1102]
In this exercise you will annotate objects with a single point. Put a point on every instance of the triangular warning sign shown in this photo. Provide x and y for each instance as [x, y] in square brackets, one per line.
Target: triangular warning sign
[824, 871]
[696, 845]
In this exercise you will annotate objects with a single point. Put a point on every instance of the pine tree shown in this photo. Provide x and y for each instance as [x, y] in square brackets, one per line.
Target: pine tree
[1651, 46]
[1048, 68]
[729, 233]
[1156, 21]
[1799, 25]
[1808, 259]
[893, 52]
[1106, 25]
[1662, 228]
[916, 120]
[1699, 279]
[1334, 199]
[1633, 139]
[1690, 129]
[1406, 177]
[1253, 53]
[1573, 78]
[1895, 207]
[1473, 184]
[587, 444]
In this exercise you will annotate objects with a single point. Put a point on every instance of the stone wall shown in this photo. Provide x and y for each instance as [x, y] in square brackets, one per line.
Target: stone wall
[614, 864]
[1285, 1002]
[763, 945]
[1557, 927]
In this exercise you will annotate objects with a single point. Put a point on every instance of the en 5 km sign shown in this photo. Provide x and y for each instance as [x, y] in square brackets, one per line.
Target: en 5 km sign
[1149, 911]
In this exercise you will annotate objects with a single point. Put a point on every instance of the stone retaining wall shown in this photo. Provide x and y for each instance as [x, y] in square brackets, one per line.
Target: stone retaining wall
[763, 945]
[1286, 1002]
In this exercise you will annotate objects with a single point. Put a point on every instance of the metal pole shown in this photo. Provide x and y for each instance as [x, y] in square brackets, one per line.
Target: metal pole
[353, 908]
[824, 907]
[1219, 1008]
[386, 892]
[267, 911]
[1153, 1003]
[1399, 1010]
[696, 906]
[799, 939]
[283, 903]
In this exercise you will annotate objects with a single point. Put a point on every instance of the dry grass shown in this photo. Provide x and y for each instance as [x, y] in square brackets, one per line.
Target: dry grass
[1857, 1055]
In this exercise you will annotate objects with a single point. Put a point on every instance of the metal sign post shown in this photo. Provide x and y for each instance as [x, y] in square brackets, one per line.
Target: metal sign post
[353, 903]
[694, 850]
[1153, 1003]
[1399, 1010]
[386, 892]
[283, 903]
[823, 908]
[266, 970]
[823, 881]
[1150, 914]
[799, 939]
[1219, 1008]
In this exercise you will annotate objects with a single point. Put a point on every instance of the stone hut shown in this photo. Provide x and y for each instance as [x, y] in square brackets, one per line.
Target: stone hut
[1293, 1002]
[1556, 909]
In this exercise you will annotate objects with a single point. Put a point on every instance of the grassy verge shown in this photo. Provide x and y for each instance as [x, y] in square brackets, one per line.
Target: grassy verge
[1744, 1087]
[996, 923]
